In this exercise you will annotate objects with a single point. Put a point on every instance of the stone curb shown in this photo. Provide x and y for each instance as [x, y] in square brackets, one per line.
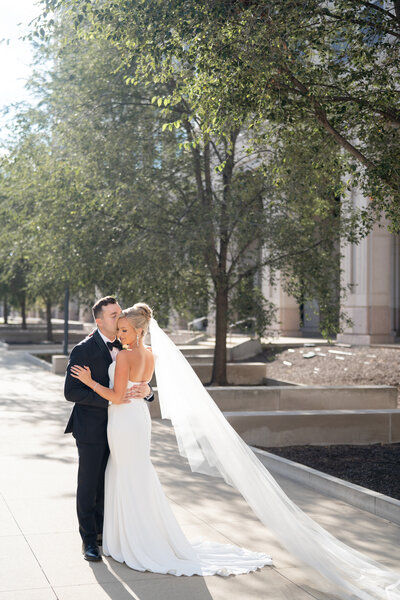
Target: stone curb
[356, 495]
[38, 361]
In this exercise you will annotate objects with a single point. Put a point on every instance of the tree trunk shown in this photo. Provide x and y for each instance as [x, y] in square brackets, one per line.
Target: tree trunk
[215, 259]
[5, 311]
[397, 8]
[49, 327]
[219, 376]
[23, 311]
[221, 328]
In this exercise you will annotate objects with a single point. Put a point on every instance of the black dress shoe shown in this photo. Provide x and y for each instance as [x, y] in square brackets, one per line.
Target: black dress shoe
[91, 552]
[99, 539]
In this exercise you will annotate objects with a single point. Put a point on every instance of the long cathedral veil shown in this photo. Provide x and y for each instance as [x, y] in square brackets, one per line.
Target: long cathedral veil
[212, 447]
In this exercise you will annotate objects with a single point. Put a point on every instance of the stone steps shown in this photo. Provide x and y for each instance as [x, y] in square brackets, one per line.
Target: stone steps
[200, 359]
[195, 350]
[285, 416]
[240, 348]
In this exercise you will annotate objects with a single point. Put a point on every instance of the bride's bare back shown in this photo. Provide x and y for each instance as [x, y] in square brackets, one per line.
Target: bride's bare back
[141, 364]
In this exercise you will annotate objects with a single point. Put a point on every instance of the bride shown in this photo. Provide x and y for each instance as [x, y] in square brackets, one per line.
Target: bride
[139, 526]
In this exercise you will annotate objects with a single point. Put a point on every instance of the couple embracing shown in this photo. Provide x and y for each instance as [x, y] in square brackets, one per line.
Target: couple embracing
[116, 479]
[120, 501]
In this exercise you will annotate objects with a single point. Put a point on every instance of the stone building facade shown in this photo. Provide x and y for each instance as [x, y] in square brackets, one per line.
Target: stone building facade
[371, 272]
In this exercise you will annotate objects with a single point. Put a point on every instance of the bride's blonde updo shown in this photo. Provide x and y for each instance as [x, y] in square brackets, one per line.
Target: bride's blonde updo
[138, 316]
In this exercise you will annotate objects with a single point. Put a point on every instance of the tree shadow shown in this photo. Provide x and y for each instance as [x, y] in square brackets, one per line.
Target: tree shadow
[127, 584]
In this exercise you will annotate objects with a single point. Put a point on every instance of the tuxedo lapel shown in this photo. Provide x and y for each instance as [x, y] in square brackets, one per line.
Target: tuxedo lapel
[104, 350]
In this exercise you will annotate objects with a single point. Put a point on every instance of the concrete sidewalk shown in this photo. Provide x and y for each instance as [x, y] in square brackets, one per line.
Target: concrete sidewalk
[40, 548]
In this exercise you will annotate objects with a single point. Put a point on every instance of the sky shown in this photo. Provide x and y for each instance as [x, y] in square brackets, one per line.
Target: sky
[16, 56]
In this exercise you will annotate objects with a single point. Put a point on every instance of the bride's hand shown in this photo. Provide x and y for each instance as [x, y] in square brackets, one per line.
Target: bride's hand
[84, 374]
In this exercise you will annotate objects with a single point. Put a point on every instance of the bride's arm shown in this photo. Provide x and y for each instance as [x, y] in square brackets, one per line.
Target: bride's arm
[117, 393]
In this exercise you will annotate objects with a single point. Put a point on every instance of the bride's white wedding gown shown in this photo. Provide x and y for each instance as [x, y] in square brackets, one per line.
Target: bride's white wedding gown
[140, 528]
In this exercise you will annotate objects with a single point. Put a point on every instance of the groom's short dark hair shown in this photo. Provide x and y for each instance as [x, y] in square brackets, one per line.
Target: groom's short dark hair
[97, 307]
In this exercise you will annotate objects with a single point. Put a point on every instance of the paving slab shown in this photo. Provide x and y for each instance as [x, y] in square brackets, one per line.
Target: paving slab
[35, 594]
[40, 554]
[19, 567]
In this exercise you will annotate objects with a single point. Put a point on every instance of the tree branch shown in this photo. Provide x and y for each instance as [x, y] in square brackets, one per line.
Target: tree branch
[378, 8]
[362, 23]
[392, 116]
[324, 121]
[397, 8]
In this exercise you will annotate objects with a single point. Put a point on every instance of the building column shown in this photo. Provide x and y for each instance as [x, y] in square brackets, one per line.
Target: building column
[369, 275]
[287, 321]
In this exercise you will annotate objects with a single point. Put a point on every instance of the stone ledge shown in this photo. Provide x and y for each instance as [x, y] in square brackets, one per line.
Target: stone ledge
[32, 336]
[236, 399]
[292, 428]
[245, 350]
[238, 373]
[38, 361]
[192, 350]
[304, 398]
[249, 373]
[59, 363]
[356, 495]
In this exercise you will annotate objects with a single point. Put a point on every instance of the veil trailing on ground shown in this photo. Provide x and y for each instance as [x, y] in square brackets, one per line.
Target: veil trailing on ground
[212, 447]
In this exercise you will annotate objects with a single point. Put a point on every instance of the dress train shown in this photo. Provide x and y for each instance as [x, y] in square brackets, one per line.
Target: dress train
[212, 446]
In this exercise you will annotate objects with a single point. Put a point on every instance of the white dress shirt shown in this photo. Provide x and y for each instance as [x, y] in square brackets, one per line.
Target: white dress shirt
[112, 352]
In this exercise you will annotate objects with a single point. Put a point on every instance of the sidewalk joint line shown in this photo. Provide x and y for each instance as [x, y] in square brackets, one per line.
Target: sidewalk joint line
[296, 584]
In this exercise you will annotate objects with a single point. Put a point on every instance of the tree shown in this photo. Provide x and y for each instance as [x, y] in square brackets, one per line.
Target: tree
[14, 265]
[191, 215]
[42, 250]
[316, 64]
[75, 178]
[201, 201]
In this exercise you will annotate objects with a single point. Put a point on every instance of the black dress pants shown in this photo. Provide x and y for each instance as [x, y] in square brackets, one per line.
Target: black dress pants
[90, 493]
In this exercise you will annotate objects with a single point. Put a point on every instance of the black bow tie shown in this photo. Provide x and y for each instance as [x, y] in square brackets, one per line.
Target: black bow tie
[114, 344]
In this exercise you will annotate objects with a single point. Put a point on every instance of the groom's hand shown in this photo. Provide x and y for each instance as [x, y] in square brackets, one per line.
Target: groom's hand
[140, 390]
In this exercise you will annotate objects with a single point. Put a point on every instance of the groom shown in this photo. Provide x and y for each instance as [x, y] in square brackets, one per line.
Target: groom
[88, 420]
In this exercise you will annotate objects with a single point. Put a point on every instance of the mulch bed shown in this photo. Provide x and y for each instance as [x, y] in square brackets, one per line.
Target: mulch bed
[334, 365]
[376, 467]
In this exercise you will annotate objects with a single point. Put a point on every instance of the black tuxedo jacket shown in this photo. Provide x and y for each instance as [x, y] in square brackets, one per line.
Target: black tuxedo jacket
[88, 420]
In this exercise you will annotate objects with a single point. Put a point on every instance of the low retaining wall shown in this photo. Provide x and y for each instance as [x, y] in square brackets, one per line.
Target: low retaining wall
[292, 428]
[262, 398]
[59, 363]
[238, 373]
[304, 398]
[245, 350]
[249, 373]
[356, 495]
[35, 336]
